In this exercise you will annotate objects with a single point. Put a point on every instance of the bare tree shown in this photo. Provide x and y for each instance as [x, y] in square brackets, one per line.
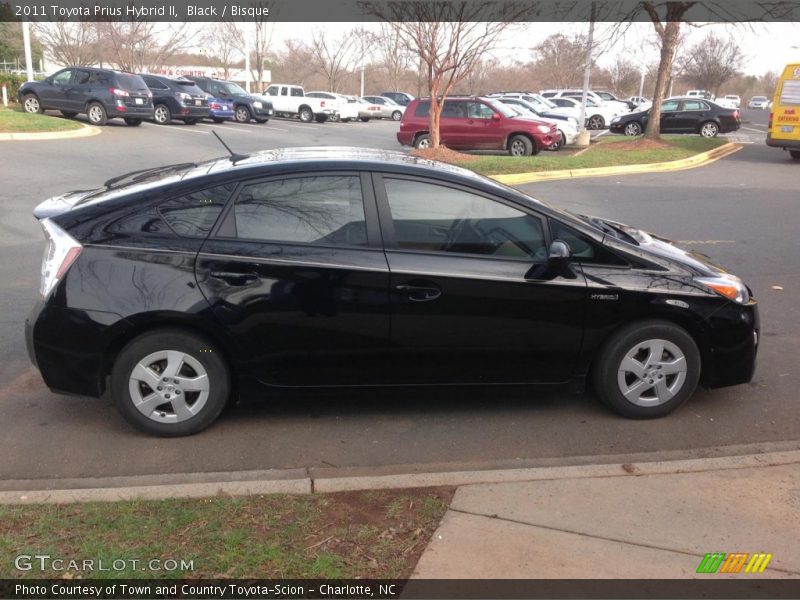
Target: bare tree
[711, 63]
[560, 59]
[73, 44]
[140, 45]
[449, 38]
[337, 57]
[295, 63]
[624, 76]
[392, 55]
[226, 44]
[768, 82]
[262, 40]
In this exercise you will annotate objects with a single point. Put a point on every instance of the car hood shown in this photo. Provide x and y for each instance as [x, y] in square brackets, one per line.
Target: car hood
[657, 246]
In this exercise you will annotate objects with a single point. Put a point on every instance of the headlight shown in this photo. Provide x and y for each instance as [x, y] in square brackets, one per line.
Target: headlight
[729, 286]
[543, 128]
[257, 104]
[615, 120]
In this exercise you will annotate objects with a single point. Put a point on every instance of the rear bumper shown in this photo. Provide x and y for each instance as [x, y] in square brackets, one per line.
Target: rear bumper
[193, 112]
[782, 143]
[132, 112]
[406, 138]
[220, 114]
[67, 367]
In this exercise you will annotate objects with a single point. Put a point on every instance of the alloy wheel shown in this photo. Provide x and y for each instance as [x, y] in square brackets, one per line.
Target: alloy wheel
[32, 104]
[596, 122]
[632, 129]
[169, 386]
[517, 148]
[161, 115]
[95, 114]
[709, 130]
[652, 372]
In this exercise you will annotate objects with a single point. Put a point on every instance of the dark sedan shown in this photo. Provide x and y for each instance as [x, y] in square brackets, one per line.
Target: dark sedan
[193, 284]
[682, 115]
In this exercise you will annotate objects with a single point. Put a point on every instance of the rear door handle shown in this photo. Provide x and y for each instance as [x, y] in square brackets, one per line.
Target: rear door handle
[419, 293]
[235, 278]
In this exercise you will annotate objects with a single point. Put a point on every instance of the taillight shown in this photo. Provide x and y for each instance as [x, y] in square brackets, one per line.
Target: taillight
[736, 115]
[61, 252]
[215, 106]
[118, 92]
[769, 126]
[322, 103]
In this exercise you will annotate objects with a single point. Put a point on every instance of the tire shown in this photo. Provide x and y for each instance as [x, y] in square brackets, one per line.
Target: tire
[218, 120]
[633, 128]
[131, 122]
[559, 144]
[191, 121]
[320, 118]
[596, 122]
[261, 121]
[519, 145]
[365, 119]
[678, 367]
[96, 113]
[306, 114]
[709, 129]
[242, 114]
[335, 118]
[70, 114]
[162, 114]
[31, 104]
[795, 154]
[422, 142]
[176, 409]
[397, 115]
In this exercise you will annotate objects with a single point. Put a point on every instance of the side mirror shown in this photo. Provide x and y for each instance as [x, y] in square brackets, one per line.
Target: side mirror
[495, 116]
[559, 257]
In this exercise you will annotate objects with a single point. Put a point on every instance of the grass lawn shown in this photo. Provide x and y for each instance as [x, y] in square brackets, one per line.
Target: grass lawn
[378, 534]
[604, 153]
[16, 121]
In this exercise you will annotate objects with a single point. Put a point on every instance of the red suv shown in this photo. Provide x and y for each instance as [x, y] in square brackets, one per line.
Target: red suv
[476, 124]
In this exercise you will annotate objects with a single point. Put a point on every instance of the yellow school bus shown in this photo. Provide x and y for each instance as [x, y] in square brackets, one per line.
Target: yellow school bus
[784, 120]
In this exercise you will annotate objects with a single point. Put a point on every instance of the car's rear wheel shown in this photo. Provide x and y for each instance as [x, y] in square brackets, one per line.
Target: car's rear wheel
[218, 119]
[596, 122]
[70, 114]
[335, 118]
[321, 118]
[170, 383]
[132, 122]
[519, 145]
[96, 114]
[31, 104]
[162, 114]
[397, 115]
[647, 369]
[795, 154]
[709, 129]
[306, 114]
[191, 121]
[423, 141]
[633, 128]
[365, 119]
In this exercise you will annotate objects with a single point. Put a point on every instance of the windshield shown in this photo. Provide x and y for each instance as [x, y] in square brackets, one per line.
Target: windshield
[503, 109]
[544, 102]
[232, 88]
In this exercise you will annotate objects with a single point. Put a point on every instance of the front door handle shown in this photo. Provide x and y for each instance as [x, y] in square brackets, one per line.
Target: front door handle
[235, 278]
[417, 293]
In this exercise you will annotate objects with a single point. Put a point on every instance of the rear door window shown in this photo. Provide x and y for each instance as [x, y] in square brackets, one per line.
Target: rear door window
[194, 214]
[63, 78]
[423, 108]
[325, 210]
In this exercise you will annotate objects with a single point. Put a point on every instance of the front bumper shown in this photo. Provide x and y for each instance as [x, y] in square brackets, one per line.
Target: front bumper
[263, 112]
[734, 336]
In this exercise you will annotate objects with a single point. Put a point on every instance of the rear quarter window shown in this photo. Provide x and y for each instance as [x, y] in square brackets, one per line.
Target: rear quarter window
[194, 214]
[422, 110]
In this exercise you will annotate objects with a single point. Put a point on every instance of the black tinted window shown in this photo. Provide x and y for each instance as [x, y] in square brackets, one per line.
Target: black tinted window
[435, 218]
[130, 82]
[326, 210]
[193, 215]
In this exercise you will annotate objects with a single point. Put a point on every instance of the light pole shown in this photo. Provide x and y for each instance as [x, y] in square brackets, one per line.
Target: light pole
[641, 85]
[26, 41]
[362, 68]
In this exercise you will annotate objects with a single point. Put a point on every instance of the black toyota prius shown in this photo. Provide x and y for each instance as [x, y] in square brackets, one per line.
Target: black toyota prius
[181, 288]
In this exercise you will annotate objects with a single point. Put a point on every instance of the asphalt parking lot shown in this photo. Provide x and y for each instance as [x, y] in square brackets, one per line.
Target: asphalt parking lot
[741, 210]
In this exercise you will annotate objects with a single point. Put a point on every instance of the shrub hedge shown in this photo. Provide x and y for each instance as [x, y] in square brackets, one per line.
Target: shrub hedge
[12, 83]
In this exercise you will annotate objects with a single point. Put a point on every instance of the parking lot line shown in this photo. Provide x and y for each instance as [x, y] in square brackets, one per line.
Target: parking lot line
[181, 129]
[225, 128]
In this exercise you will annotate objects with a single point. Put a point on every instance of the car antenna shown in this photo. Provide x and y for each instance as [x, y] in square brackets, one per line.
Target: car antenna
[234, 155]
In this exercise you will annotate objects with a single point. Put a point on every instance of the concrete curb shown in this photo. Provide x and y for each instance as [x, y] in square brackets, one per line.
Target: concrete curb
[84, 131]
[291, 481]
[698, 160]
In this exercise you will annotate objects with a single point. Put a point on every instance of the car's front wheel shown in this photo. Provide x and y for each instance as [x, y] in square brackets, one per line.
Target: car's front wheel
[97, 114]
[31, 104]
[365, 119]
[519, 145]
[306, 115]
[709, 129]
[170, 383]
[596, 122]
[633, 128]
[647, 369]
[397, 115]
[243, 114]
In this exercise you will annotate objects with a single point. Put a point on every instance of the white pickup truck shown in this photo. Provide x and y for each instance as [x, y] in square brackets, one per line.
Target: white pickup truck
[291, 101]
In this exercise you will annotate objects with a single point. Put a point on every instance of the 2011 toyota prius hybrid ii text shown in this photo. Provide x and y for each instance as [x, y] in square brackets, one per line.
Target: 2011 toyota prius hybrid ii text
[181, 288]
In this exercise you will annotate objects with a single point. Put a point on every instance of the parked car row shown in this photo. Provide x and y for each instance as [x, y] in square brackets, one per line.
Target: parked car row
[103, 94]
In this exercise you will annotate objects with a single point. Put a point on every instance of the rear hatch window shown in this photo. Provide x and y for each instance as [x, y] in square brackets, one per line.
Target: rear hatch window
[790, 93]
[131, 83]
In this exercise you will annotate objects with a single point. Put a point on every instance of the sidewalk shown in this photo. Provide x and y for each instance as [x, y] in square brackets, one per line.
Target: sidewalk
[629, 526]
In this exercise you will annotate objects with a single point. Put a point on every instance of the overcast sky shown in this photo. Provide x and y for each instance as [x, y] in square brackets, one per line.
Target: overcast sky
[768, 47]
